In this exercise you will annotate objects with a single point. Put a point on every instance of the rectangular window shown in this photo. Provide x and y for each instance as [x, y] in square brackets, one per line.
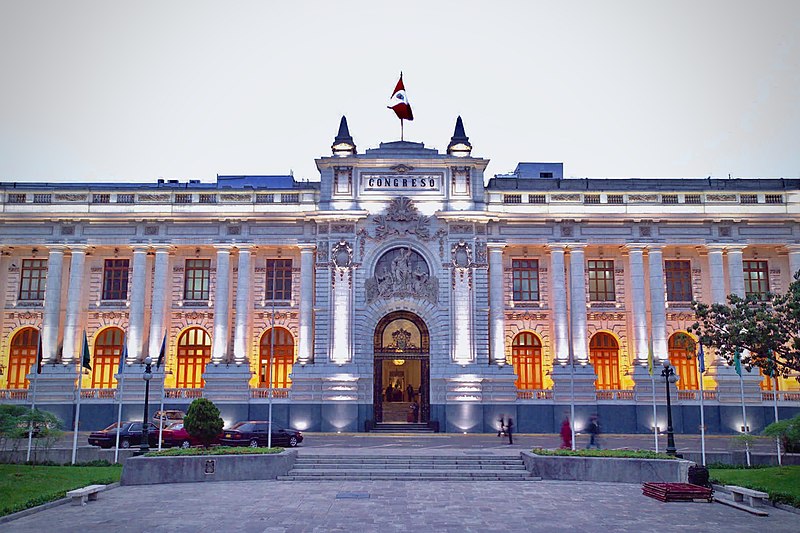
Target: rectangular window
[669, 198]
[601, 281]
[265, 198]
[512, 198]
[692, 199]
[748, 198]
[756, 279]
[279, 276]
[526, 279]
[197, 279]
[16, 198]
[773, 198]
[125, 198]
[183, 198]
[115, 279]
[615, 199]
[42, 198]
[33, 280]
[290, 198]
[101, 198]
[537, 199]
[678, 276]
[591, 198]
[208, 198]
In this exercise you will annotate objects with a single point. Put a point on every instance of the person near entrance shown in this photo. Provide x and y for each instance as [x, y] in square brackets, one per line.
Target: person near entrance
[410, 392]
[509, 429]
[389, 392]
[566, 434]
[415, 411]
[594, 433]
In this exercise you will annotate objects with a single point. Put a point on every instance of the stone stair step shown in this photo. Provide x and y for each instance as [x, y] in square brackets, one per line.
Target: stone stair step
[358, 466]
[398, 478]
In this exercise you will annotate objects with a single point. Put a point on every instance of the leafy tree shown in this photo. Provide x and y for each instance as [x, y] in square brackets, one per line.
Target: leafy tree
[202, 421]
[788, 431]
[766, 332]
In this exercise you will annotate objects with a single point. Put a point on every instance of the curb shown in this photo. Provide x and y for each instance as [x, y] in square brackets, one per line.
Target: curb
[45, 506]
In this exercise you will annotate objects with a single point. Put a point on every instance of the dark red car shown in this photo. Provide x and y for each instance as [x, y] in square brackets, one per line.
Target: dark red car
[176, 435]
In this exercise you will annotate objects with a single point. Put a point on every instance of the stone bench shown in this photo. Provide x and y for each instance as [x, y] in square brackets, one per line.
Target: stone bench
[81, 496]
[754, 498]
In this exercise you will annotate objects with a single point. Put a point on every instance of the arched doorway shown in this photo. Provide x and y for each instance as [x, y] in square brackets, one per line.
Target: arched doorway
[682, 356]
[22, 356]
[604, 356]
[526, 357]
[194, 353]
[107, 351]
[280, 342]
[402, 368]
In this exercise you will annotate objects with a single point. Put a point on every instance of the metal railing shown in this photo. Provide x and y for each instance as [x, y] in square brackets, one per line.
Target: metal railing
[264, 393]
[535, 394]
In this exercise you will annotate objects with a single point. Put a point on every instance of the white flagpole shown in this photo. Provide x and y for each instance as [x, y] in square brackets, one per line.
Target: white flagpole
[77, 411]
[120, 388]
[744, 420]
[775, 406]
[655, 411]
[33, 408]
[161, 410]
[702, 421]
[272, 345]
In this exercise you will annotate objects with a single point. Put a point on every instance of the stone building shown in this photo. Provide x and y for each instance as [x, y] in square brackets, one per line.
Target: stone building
[401, 276]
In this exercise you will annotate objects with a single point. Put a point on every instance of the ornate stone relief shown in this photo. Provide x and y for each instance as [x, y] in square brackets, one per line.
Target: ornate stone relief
[461, 228]
[720, 197]
[402, 218]
[70, 197]
[342, 228]
[642, 198]
[151, 197]
[322, 252]
[342, 255]
[402, 273]
[400, 169]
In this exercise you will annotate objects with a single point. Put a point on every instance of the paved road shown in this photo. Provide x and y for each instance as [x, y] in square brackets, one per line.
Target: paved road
[388, 506]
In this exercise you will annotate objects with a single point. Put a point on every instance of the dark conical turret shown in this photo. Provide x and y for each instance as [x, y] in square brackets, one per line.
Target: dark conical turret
[343, 144]
[459, 143]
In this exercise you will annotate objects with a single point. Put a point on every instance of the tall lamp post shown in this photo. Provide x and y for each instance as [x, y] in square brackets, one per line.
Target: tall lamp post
[148, 375]
[669, 377]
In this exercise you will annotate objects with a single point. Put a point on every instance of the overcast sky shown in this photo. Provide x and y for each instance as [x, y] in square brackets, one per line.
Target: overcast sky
[134, 91]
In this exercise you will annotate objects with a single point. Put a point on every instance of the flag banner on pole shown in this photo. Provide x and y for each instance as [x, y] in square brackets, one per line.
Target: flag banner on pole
[399, 102]
[123, 356]
[771, 364]
[162, 352]
[85, 358]
[39, 355]
[701, 359]
[650, 357]
[737, 362]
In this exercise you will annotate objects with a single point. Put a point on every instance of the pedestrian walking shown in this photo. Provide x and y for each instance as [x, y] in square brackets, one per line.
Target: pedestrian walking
[502, 429]
[510, 429]
[594, 433]
[566, 434]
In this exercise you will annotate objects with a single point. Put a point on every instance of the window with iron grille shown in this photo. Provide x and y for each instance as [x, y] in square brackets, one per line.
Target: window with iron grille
[773, 198]
[748, 198]
[512, 198]
[525, 276]
[678, 276]
[756, 279]
[615, 199]
[692, 199]
[208, 198]
[197, 279]
[42, 198]
[669, 198]
[183, 198]
[125, 198]
[601, 281]
[115, 279]
[101, 198]
[265, 198]
[33, 279]
[290, 198]
[537, 199]
[279, 277]
[591, 198]
[17, 198]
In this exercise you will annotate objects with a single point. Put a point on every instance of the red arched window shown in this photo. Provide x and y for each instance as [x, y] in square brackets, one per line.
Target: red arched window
[282, 345]
[604, 356]
[682, 356]
[21, 357]
[107, 351]
[526, 357]
[194, 353]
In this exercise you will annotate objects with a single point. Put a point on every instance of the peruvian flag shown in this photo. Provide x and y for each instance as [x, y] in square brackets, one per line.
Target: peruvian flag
[399, 102]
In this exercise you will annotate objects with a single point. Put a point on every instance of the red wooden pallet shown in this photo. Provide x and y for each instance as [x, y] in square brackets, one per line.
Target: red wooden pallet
[676, 492]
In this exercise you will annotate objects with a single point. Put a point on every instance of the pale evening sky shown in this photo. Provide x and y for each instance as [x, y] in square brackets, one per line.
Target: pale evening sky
[134, 91]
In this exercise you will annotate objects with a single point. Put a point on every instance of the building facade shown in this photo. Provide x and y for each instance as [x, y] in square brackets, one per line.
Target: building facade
[400, 277]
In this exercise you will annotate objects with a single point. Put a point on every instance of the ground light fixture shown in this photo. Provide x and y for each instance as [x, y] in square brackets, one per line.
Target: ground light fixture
[668, 373]
[148, 375]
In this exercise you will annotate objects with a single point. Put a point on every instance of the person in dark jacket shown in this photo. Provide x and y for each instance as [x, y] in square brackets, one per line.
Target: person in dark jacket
[502, 429]
[594, 433]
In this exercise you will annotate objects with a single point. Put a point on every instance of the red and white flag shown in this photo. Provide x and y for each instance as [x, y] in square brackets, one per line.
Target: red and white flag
[399, 102]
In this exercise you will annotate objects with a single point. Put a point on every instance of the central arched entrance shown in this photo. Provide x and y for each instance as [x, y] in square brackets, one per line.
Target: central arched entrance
[402, 368]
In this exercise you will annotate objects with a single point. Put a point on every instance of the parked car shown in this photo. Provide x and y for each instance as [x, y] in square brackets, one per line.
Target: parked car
[254, 433]
[176, 435]
[168, 417]
[130, 434]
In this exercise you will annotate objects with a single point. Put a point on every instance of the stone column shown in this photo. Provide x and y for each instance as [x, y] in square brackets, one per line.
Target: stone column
[658, 302]
[497, 353]
[160, 296]
[638, 302]
[222, 311]
[243, 290]
[794, 260]
[736, 270]
[72, 322]
[305, 346]
[577, 283]
[138, 286]
[558, 290]
[51, 318]
[717, 274]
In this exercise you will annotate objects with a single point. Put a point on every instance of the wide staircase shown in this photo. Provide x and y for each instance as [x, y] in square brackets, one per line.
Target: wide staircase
[407, 467]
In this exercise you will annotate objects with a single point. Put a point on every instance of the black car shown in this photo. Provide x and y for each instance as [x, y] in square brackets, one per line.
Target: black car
[255, 433]
[130, 434]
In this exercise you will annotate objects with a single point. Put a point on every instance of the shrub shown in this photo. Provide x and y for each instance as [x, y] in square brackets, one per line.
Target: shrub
[202, 421]
[788, 431]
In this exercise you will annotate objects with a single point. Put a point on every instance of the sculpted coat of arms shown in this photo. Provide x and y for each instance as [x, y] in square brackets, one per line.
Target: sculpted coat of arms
[402, 272]
[402, 218]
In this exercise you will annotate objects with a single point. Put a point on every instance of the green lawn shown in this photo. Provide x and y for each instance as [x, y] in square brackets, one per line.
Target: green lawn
[24, 486]
[782, 483]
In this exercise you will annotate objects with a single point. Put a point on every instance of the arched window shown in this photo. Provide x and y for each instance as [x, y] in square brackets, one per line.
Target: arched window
[282, 345]
[194, 353]
[526, 357]
[21, 357]
[682, 356]
[768, 383]
[604, 356]
[107, 351]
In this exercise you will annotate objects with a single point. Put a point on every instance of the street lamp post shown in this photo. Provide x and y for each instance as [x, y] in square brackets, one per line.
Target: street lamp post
[669, 377]
[148, 375]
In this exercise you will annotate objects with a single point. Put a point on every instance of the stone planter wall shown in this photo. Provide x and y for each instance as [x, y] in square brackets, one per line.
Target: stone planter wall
[609, 469]
[200, 468]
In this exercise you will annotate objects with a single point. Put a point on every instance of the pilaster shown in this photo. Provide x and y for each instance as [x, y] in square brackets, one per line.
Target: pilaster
[496, 304]
[72, 322]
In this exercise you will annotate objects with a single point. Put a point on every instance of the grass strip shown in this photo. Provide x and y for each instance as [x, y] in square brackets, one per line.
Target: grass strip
[782, 483]
[216, 450]
[623, 454]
